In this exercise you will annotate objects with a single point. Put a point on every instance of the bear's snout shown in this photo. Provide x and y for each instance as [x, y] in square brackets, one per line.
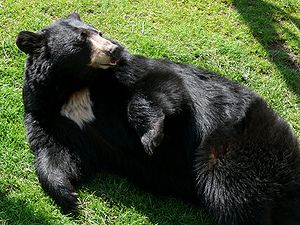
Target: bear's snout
[104, 53]
[114, 52]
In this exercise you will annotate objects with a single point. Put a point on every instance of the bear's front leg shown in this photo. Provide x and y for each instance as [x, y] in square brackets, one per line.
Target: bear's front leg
[56, 165]
[55, 171]
[148, 120]
[154, 135]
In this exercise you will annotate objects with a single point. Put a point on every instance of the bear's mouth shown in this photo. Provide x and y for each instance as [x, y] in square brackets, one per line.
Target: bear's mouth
[111, 63]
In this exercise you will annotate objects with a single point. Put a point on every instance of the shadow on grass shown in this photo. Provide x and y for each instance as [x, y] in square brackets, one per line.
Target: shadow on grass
[117, 192]
[262, 18]
[16, 211]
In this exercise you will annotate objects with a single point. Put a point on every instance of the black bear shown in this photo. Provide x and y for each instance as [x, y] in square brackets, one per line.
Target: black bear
[173, 128]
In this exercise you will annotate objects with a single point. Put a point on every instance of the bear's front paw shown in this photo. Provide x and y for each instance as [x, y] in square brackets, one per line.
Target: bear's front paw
[70, 203]
[66, 198]
[151, 140]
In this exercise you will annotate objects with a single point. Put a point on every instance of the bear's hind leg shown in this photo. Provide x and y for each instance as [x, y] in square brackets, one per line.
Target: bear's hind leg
[232, 184]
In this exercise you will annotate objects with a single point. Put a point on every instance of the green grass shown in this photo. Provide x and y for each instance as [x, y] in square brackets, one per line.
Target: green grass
[256, 43]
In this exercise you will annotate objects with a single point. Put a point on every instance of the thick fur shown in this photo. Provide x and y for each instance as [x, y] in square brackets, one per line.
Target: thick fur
[176, 129]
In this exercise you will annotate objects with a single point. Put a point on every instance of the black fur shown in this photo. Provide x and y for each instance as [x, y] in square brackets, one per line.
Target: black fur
[211, 140]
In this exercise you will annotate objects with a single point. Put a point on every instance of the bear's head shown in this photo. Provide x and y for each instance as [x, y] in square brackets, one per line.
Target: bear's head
[70, 43]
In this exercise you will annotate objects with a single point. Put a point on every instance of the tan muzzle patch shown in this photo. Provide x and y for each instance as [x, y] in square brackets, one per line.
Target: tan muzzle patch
[100, 48]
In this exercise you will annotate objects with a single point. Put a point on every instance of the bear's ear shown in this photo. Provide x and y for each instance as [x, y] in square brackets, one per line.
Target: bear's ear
[74, 15]
[28, 41]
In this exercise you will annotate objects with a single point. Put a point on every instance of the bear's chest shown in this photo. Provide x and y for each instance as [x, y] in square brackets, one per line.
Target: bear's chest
[79, 107]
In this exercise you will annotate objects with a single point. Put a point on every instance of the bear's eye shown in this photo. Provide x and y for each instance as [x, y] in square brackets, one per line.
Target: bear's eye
[100, 33]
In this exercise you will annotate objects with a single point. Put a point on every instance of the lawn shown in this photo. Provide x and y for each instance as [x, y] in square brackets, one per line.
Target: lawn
[256, 43]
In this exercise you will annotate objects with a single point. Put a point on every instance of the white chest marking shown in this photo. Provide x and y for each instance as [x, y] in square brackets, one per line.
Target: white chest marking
[79, 108]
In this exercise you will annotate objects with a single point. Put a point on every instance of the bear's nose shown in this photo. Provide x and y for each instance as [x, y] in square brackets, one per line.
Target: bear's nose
[114, 52]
